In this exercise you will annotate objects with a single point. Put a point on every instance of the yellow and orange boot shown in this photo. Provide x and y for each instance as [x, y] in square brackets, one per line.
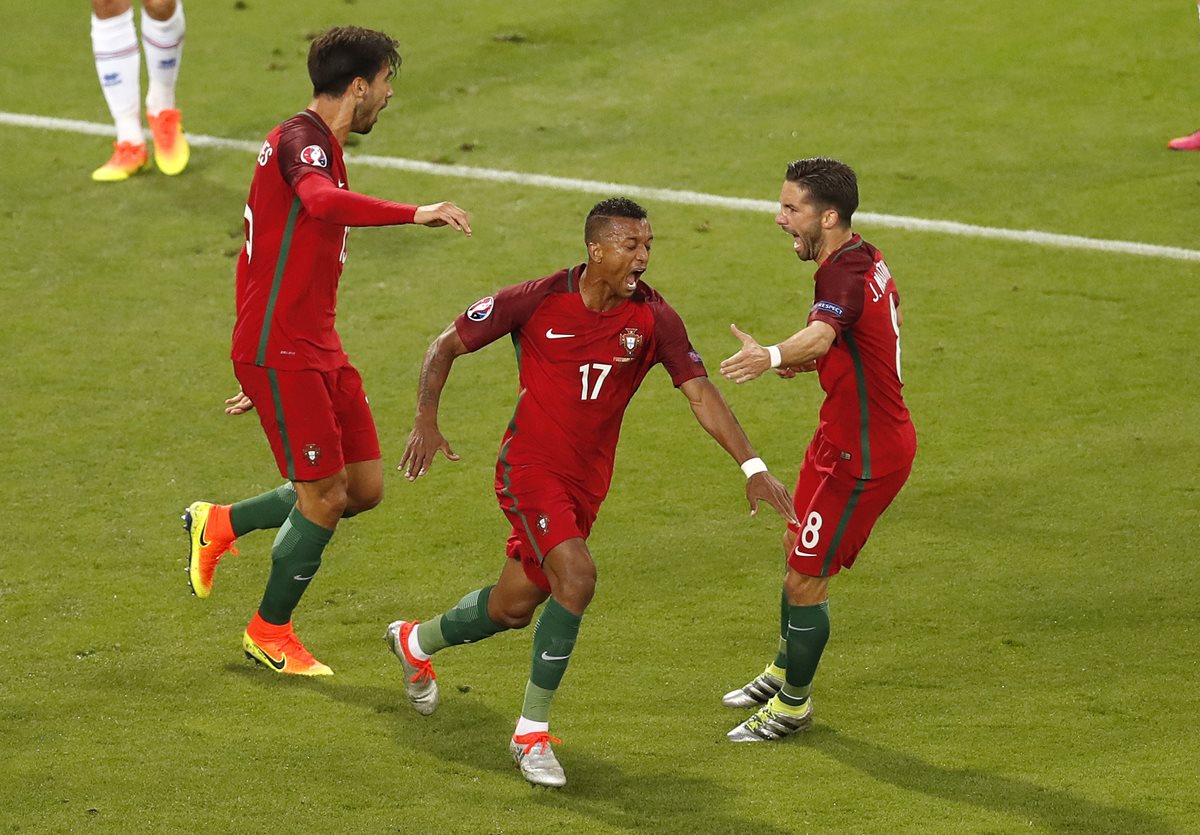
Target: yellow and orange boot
[171, 151]
[127, 159]
[277, 648]
[209, 538]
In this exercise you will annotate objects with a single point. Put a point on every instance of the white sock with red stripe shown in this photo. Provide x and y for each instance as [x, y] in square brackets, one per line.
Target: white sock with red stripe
[163, 42]
[119, 66]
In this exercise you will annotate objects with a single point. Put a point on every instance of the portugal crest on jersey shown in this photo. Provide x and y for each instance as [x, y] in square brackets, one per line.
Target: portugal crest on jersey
[631, 341]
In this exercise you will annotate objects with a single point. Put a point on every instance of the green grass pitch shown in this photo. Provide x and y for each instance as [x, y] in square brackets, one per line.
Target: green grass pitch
[1016, 650]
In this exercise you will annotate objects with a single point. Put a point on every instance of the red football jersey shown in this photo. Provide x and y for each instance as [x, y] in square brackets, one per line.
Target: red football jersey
[288, 271]
[578, 370]
[864, 413]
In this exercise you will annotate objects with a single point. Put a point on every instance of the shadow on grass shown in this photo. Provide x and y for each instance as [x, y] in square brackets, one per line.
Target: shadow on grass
[1053, 809]
[470, 734]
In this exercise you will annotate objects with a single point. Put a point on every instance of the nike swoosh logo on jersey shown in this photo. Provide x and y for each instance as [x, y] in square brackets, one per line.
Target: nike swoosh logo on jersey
[550, 334]
[303, 579]
[801, 628]
[548, 657]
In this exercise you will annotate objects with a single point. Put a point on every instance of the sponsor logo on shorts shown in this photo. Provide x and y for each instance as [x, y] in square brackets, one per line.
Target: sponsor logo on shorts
[312, 454]
[481, 309]
[829, 307]
[314, 155]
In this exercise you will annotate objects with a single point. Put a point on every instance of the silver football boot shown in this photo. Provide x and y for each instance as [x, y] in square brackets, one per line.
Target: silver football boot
[420, 681]
[534, 756]
[757, 692]
[767, 723]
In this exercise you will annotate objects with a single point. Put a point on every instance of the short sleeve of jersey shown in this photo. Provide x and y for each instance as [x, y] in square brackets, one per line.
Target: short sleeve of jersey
[674, 350]
[495, 316]
[303, 149]
[838, 300]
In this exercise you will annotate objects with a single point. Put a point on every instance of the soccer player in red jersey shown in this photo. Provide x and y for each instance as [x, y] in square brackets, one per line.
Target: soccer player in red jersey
[286, 354]
[865, 442]
[585, 338]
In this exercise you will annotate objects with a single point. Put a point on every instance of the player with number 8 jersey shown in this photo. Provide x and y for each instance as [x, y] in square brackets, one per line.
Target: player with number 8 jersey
[863, 449]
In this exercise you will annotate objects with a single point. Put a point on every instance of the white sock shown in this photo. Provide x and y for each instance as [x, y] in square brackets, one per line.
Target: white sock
[414, 646]
[119, 66]
[528, 726]
[163, 42]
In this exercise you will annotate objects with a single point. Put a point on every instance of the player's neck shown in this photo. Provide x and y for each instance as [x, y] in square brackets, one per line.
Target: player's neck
[336, 113]
[596, 293]
[834, 241]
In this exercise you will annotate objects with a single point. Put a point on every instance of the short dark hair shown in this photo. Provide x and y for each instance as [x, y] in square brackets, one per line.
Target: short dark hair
[345, 53]
[831, 183]
[605, 210]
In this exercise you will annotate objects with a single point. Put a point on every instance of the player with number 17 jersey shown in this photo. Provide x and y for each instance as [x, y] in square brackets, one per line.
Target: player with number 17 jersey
[578, 370]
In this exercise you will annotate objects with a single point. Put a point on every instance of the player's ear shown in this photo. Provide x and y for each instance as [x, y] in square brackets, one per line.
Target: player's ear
[595, 252]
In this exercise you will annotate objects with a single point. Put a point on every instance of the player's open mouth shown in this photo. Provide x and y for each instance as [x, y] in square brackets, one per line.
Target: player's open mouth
[632, 279]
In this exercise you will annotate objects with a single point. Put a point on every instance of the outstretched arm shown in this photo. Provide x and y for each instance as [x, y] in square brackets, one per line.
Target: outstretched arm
[714, 414]
[325, 201]
[425, 439]
[798, 351]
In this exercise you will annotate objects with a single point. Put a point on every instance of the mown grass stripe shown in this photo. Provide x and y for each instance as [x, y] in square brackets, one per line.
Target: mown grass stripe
[666, 195]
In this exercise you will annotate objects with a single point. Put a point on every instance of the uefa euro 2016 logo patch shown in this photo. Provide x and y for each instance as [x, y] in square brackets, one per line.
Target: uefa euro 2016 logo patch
[314, 155]
[481, 309]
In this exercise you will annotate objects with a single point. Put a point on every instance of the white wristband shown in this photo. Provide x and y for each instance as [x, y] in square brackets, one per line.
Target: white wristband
[753, 466]
[776, 356]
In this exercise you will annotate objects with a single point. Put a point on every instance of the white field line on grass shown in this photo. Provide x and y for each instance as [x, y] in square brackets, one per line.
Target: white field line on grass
[666, 195]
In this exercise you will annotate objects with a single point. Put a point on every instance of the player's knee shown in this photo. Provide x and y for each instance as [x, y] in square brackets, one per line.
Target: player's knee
[362, 501]
[509, 618]
[576, 591]
[159, 9]
[803, 590]
[327, 502]
[105, 9]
